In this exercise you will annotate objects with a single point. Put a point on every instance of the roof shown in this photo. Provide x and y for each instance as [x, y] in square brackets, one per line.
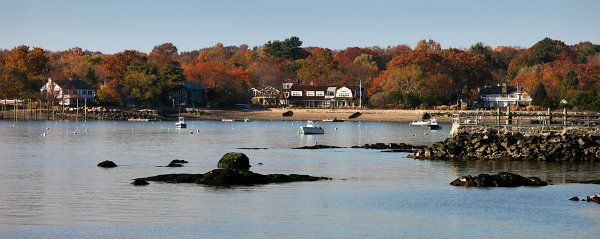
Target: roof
[73, 84]
[193, 85]
[309, 88]
[497, 90]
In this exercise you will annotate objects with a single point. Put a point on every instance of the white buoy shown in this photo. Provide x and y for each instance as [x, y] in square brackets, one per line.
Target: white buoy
[74, 132]
[335, 128]
[197, 131]
[47, 128]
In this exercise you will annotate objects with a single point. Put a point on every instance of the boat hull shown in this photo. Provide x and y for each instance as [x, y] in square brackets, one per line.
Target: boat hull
[312, 130]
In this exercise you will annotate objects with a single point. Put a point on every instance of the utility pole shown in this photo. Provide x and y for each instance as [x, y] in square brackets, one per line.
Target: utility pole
[360, 94]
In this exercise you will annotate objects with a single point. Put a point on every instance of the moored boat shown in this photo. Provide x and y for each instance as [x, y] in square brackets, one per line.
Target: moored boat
[311, 128]
[431, 124]
[180, 123]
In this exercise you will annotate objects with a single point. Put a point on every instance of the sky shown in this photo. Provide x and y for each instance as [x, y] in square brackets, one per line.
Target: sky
[112, 26]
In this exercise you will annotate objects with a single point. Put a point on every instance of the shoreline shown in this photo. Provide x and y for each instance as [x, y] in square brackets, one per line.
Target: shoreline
[258, 114]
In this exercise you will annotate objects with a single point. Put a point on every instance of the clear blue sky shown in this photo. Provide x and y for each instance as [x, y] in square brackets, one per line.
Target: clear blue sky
[114, 25]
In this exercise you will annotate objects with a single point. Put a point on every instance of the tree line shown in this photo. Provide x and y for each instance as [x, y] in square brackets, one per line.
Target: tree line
[395, 76]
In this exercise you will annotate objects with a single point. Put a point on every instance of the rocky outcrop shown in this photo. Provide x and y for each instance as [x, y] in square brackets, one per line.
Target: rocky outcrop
[495, 146]
[392, 147]
[502, 179]
[234, 161]
[574, 198]
[179, 161]
[107, 164]
[594, 198]
[233, 170]
[139, 182]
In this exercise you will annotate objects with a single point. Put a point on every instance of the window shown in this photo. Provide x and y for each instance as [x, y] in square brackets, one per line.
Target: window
[310, 93]
[343, 94]
[296, 93]
[320, 93]
[330, 93]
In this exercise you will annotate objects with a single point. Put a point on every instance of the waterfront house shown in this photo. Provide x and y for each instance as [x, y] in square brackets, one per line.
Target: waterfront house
[268, 95]
[69, 91]
[502, 96]
[320, 96]
[188, 94]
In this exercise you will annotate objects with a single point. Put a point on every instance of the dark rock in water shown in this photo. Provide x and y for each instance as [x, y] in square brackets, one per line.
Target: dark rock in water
[139, 182]
[107, 164]
[234, 161]
[233, 170]
[574, 198]
[392, 147]
[318, 146]
[594, 198]
[178, 161]
[174, 165]
[173, 178]
[252, 148]
[229, 177]
[225, 177]
[502, 179]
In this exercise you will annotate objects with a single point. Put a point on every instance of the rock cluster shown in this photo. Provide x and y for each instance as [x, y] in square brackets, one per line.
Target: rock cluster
[392, 147]
[494, 146]
[233, 170]
[502, 179]
[594, 198]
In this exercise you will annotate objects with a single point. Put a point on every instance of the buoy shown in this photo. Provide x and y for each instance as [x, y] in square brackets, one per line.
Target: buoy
[74, 132]
[191, 132]
[47, 128]
[198, 131]
[426, 133]
[335, 128]
[298, 132]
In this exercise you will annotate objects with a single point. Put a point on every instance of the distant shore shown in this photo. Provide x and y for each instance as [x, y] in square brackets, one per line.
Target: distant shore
[271, 114]
[260, 114]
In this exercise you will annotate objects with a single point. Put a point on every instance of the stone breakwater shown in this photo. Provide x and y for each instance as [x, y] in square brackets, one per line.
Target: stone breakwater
[493, 145]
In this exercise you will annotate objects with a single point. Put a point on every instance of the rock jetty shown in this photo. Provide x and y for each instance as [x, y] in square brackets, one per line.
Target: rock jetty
[502, 179]
[233, 170]
[514, 146]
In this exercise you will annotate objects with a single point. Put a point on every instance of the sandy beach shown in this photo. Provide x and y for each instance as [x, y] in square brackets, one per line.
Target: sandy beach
[310, 114]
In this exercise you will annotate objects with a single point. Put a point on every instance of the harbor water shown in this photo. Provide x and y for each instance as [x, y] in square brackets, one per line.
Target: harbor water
[50, 186]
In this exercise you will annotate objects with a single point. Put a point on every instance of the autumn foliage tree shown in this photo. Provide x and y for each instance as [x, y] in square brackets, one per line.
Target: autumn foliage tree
[225, 85]
[318, 68]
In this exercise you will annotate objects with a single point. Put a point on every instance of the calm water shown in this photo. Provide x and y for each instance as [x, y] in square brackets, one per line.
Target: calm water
[50, 186]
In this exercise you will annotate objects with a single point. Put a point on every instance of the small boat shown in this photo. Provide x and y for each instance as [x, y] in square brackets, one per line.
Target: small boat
[180, 123]
[431, 124]
[333, 120]
[311, 128]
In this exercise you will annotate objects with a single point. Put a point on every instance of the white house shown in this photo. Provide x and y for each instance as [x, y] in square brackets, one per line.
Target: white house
[69, 91]
[502, 96]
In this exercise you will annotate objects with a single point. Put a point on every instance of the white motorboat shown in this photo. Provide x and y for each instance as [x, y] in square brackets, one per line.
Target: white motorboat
[180, 123]
[432, 123]
[311, 128]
